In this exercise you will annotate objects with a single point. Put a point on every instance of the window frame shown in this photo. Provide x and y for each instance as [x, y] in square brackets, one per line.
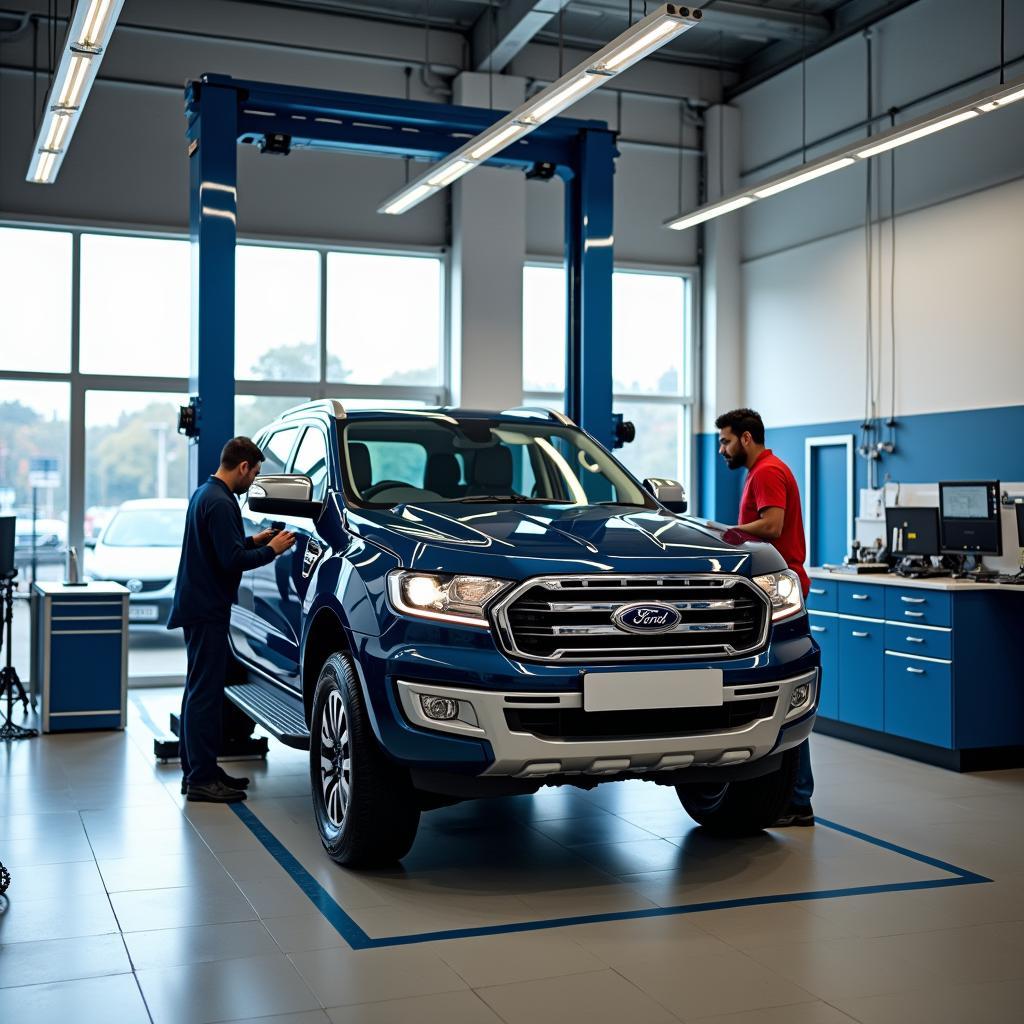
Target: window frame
[689, 399]
[301, 391]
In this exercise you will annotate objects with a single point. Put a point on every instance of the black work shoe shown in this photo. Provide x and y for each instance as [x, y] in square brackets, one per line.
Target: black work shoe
[234, 781]
[229, 780]
[215, 793]
[795, 816]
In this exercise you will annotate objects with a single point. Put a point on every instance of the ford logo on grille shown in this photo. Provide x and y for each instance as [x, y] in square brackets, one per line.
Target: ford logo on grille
[651, 617]
[135, 586]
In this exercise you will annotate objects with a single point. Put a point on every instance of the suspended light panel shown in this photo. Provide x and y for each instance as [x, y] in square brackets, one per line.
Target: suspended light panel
[919, 128]
[89, 31]
[638, 41]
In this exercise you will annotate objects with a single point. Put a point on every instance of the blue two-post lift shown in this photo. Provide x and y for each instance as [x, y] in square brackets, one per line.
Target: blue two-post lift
[223, 113]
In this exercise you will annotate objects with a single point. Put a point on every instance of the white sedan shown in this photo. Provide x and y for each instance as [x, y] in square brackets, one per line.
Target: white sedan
[140, 548]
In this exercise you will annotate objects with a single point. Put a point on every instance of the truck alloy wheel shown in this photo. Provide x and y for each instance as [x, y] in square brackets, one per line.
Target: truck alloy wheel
[363, 802]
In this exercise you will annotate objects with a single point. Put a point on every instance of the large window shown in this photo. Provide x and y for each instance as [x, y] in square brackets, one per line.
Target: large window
[88, 402]
[652, 360]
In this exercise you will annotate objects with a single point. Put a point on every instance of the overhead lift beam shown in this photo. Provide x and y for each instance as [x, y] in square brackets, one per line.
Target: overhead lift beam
[223, 113]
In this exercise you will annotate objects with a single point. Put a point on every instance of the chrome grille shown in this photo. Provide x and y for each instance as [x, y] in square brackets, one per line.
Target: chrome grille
[569, 618]
[148, 586]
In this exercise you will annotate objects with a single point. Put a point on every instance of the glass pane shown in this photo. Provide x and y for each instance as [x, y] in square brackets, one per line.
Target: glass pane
[254, 412]
[33, 436]
[277, 313]
[136, 490]
[660, 439]
[35, 300]
[649, 332]
[384, 319]
[135, 306]
[311, 459]
[544, 329]
[277, 448]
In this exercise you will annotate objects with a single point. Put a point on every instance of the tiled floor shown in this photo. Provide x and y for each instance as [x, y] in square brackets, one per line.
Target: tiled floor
[129, 905]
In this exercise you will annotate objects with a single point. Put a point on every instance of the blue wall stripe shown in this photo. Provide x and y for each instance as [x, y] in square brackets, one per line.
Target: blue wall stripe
[358, 939]
[976, 444]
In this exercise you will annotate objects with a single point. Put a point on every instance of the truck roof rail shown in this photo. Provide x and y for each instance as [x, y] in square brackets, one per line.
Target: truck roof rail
[331, 406]
[551, 414]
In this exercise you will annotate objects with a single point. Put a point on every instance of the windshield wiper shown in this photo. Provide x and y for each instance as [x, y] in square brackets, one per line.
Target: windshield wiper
[513, 499]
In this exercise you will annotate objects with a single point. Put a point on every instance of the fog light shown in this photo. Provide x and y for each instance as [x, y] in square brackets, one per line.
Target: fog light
[799, 695]
[440, 709]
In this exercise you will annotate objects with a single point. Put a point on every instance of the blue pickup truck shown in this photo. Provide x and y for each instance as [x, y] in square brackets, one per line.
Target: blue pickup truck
[485, 603]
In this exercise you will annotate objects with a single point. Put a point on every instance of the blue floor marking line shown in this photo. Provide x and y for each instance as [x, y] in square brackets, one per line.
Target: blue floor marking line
[358, 939]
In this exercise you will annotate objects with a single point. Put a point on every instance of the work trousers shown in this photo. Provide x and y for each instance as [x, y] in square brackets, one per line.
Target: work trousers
[199, 731]
[804, 776]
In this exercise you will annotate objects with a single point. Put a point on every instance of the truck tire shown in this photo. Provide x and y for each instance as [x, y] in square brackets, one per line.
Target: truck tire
[745, 807]
[364, 804]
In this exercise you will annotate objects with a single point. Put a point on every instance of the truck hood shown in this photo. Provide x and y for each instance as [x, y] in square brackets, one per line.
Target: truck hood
[519, 541]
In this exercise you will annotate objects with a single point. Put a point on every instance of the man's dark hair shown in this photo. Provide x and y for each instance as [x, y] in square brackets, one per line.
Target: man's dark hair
[739, 421]
[239, 450]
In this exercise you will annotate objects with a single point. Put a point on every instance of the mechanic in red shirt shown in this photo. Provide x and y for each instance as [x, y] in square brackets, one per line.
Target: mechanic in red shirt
[770, 510]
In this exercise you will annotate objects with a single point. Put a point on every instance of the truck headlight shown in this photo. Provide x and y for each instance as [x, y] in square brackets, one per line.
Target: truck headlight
[784, 591]
[458, 599]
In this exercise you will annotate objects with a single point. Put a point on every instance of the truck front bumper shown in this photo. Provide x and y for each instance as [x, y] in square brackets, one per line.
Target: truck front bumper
[488, 716]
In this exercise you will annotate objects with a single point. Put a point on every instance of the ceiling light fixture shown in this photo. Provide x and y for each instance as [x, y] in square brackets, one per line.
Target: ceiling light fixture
[89, 31]
[638, 41]
[919, 128]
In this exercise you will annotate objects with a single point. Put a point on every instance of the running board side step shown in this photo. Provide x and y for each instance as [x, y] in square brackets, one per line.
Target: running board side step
[281, 715]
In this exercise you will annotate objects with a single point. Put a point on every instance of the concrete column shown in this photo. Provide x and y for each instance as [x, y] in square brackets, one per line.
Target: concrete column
[722, 330]
[488, 251]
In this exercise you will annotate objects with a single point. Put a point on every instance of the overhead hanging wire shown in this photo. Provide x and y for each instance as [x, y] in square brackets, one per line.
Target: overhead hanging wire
[892, 293]
[803, 77]
[1002, 42]
[867, 446]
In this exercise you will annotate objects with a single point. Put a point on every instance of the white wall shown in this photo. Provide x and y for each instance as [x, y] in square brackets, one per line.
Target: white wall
[959, 231]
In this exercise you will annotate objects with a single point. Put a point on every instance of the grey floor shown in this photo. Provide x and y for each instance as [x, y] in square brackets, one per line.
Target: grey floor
[128, 905]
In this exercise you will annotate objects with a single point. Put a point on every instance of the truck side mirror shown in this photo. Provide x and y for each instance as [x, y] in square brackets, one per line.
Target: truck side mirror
[285, 494]
[669, 493]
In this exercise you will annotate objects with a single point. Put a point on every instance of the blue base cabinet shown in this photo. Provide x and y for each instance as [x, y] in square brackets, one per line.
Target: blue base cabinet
[936, 671]
[80, 655]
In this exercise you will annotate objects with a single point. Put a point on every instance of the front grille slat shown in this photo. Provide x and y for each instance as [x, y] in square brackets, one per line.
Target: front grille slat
[570, 619]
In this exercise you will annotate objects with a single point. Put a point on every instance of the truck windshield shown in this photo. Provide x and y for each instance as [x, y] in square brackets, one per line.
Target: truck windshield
[434, 457]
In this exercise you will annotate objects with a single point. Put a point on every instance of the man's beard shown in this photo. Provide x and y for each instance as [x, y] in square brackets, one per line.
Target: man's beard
[736, 461]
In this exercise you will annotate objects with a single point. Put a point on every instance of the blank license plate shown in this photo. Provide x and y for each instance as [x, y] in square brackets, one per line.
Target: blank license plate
[143, 612]
[636, 691]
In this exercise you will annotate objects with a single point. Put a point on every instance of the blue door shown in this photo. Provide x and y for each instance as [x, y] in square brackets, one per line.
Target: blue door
[830, 501]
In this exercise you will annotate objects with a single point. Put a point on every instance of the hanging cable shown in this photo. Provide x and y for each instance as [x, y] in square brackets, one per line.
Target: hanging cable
[490, 64]
[682, 126]
[561, 40]
[1002, 42]
[867, 447]
[892, 295]
[721, 119]
[803, 77]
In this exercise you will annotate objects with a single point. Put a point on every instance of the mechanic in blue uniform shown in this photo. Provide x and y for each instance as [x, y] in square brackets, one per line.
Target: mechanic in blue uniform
[214, 554]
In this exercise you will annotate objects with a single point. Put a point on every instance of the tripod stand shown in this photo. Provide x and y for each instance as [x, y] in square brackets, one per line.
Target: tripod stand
[9, 680]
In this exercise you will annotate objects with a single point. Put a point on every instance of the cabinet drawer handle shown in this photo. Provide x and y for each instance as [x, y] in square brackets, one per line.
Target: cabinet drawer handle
[915, 639]
[817, 629]
[860, 597]
[858, 634]
[817, 590]
[915, 671]
[913, 615]
[913, 600]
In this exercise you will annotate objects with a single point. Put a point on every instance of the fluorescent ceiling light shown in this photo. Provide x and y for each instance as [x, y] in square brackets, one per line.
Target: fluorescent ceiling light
[89, 30]
[639, 40]
[708, 212]
[920, 133]
[1004, 101]
[919, 128]
[799, 179]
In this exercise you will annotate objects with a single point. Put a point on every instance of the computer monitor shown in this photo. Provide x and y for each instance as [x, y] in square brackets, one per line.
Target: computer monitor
[912, 531]
[1018, 506]
[969, 514]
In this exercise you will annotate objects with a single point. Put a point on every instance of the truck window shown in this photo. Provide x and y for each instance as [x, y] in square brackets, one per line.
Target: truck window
[311, 459]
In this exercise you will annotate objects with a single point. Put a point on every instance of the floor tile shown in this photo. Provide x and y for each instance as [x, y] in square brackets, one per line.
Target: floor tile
[53, 881]
[37, 850]
[196, 867]
[50, 960]
[225, 990]
[180, 908]
[342, 977]
[603, 997]
[800, 1013]
[303, 932]
[85, 1001]
[990, 1003]
[445, 1008]
[169, 947]
[64, 918]
[504, 959]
